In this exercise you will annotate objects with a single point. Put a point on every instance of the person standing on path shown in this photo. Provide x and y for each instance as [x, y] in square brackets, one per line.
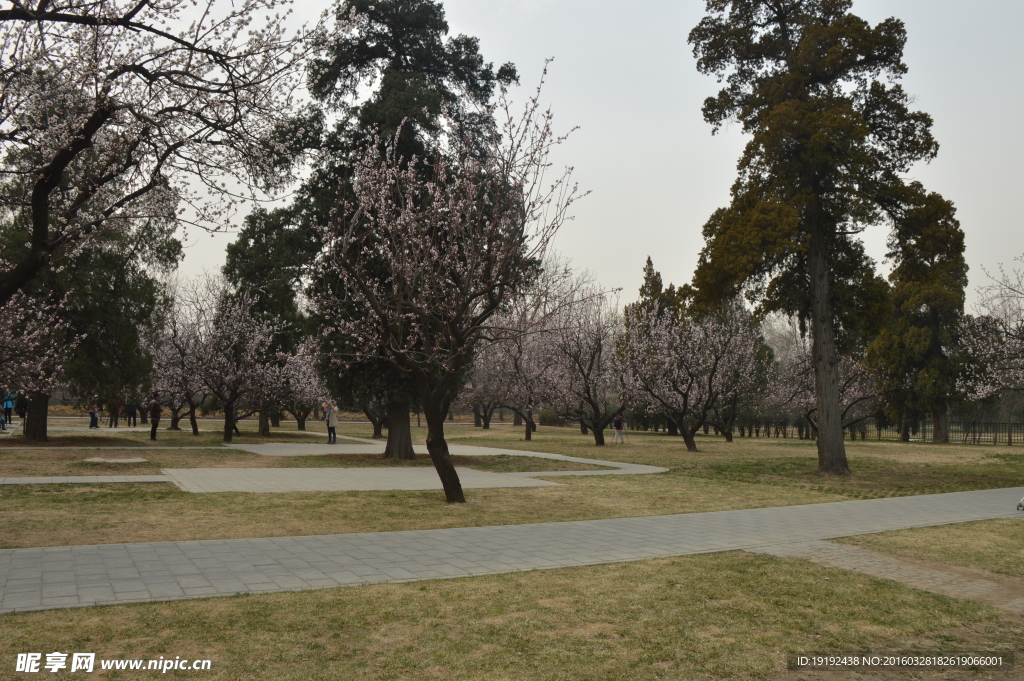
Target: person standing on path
[94, 412]
[619, 425]
[332, 424]
[8, 405]
[154, 414]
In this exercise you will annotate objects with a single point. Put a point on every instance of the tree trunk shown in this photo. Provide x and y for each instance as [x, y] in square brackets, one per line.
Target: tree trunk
[687, 433]
[229, 420]
[478, 419]
[487, 416]
[673, 429]
[598, 436]
[831, 446]
[583, 428]
[438, 449]
[264, 421]
[275, 420]
[377, 421]
[175, 419]
[517, 420]
[940, 424]
[399, 444]
[144, 415]
[300, 419]
[905, 431]
[34, 427]
[727, 433]
[192, 419]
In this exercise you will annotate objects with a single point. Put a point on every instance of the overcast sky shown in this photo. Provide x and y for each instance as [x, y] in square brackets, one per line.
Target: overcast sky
[624, 74]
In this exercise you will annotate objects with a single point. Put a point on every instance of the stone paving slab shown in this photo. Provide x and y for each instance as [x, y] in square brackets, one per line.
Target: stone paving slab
[128, 573]
[958, 582]
[261, 480]
[82, 479]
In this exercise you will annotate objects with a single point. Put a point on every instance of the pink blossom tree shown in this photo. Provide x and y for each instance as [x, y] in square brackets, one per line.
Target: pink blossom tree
[34, 347]
[685, 365]
[426, 259]
[793, 387]
[235, 357]
[994, 339]
[585, 379]
[116, 110]
[302, 388]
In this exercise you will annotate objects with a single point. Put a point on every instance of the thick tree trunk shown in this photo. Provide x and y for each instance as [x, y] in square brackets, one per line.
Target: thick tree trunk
[35, 417]
[905, 431]
[487, 416]
[691, 444]
[831, 446]
[727, 432]
[300, 419]
[598, 436]
[673, 429]
[175, 419]
[399, 444]
[144, 415]
[438, 449]
[478, 419]
[275, 420]
[940, 424]
[264, 421]
[517, 420]
[377, 420]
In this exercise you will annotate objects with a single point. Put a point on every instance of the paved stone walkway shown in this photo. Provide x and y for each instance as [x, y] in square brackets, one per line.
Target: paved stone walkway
[41, 578]
[263, 480]
[949, 580]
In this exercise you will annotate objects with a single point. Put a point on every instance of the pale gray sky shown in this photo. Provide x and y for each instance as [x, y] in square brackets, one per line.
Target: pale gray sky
[624, 73]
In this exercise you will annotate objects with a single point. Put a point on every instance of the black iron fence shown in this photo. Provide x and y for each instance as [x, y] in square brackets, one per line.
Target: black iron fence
[964, 432]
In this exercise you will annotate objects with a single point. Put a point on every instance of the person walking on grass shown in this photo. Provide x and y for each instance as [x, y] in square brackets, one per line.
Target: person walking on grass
[619, 425]
[154, 414]
[332, 423]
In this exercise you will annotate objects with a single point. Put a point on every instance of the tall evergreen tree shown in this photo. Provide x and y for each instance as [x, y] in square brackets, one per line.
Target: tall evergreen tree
[915, 354]
[832, 137]
[399, 49]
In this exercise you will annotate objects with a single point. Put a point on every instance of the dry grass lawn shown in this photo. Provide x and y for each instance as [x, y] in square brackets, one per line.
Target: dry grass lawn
[993, 545]
[723, 476]
[722, 616]
[62, 515]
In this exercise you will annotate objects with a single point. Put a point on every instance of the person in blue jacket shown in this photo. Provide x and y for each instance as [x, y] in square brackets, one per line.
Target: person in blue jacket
[8, 405]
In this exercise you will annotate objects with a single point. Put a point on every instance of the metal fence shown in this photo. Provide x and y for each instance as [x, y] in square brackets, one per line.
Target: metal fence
[964, 432]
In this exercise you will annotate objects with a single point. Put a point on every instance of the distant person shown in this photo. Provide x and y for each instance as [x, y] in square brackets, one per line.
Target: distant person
[8, 405]
[94, 412]
[154, 414]
[115, 415]
[619, 425]
[234, 423]
[131, 418]
[332, 423]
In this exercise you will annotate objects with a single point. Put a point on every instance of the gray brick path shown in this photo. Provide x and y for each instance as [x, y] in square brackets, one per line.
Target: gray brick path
[40, 578]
